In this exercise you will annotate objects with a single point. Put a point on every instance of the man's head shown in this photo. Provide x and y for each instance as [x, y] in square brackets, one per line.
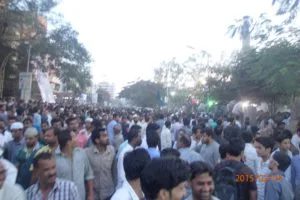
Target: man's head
[284, 140]
[152, 139]
[236, 149]
[31, 137]
[44, 125]
[56, 123]
[207, 136]
[170, 152]
[116, 117]
[168, 124]
[73, 124]
[50, 136]
[11, 120]
[223, 150]
[279, 161]
[17, 130]
[66, 139]
[197, 132]
[201, 181]
[184, 141]
[153, 127]
[264, 146]
[135, 135]
[247, 137]
[88, 123]
[27, 123]
[134, 163]
[100, 137]
[45, 168]
[117, 129]
[2, 174]
[164, 179]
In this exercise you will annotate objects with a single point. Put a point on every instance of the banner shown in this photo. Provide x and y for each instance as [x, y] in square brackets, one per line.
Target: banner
[45, 87]
[25, 83]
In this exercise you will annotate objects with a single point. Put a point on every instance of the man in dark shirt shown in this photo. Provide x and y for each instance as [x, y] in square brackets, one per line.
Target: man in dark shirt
[232, 130]
[245, 179]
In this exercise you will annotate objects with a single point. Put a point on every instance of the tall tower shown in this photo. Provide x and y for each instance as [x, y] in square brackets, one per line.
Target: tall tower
[245, 33]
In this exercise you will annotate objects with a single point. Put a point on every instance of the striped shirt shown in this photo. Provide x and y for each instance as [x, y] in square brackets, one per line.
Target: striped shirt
[62, 190]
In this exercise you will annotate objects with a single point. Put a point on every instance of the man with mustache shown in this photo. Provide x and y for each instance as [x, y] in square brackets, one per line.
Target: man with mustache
[48, 186]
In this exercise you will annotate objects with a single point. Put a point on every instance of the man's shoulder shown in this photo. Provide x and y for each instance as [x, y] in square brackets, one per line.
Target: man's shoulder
[121, 193]
[63, 183]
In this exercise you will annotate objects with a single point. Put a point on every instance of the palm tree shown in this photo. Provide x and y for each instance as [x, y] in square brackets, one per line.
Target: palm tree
[287, 6]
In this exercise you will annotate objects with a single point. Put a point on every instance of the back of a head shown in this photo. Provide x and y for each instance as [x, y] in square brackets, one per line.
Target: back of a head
[168, 124]
[282, 159]
[170, 152]
[152, 127]
[286, 134]
[163, 173]
[186, 121]
[135, 162]
[247, 137]
[185, 140]
[223, 150]
[63, 137]
[152, 139]
[133, 132]
[236, 147]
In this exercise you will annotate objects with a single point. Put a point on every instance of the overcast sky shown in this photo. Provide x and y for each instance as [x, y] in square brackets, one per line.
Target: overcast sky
[129, 38]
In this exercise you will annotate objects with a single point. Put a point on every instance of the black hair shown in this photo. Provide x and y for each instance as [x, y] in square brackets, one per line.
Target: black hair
[54, 120]
[163, 173]
[115, 115]
[168, 124]
[186, 121]
[283, 160]
[133, 132]
[218, 130]
[96, 134]
[152, 139]
[247, 137]
[170, 152]
[209, 132]
[152, 126]
[44, 122]
[223, 150]
[186, 140]
[134, 163]
[236, 146]
[267, 142]
[195, 129]
[63, 137]
[198, 168]
[286, 134]
[41, 156]
[27, 120]
[70, 120]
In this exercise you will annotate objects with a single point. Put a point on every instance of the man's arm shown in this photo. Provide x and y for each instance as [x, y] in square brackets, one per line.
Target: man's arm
[89, 178]
[253, 195]
[90, 189]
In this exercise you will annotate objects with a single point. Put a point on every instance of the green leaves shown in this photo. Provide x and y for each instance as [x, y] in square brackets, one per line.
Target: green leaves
[144, 93]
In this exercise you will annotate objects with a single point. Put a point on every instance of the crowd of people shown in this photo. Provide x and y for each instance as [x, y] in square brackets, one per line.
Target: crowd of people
[59, 152]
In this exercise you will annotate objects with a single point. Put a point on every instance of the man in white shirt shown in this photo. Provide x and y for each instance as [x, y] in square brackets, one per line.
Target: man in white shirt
[296, 140]
[250, 154]
[9, 191]
[134, 140]
[134, 163]
[263, 146]
[166, 137]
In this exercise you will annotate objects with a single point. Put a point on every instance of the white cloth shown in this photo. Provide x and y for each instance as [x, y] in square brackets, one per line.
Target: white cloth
[252, 159]
[11, 172]
[120, 166]
[166, 138]
[263, 169]
[12, 192]
[5, 138]
[296, 141]
[126, 192]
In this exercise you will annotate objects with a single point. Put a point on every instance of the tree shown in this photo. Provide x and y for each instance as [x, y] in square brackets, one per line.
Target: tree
[290, 7]
[144, 94]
